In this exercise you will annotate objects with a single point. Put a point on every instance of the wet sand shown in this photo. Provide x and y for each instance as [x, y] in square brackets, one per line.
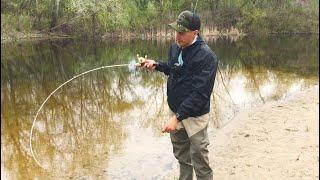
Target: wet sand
[279, 140]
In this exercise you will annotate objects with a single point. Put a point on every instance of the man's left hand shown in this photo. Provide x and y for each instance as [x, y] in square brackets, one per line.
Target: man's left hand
[170, 125]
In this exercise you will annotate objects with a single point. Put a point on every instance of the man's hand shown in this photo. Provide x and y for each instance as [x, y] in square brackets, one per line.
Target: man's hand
[149, 64]
[170, 125]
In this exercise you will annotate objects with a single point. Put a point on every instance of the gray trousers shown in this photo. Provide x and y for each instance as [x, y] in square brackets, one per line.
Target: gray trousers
[192, 152]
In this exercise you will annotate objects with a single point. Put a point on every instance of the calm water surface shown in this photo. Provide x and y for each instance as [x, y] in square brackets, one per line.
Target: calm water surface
[107, 124]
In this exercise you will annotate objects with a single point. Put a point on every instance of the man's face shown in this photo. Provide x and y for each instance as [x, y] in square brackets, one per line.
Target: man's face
[184, 39]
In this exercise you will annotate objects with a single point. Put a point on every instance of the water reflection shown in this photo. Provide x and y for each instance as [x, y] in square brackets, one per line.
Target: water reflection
[107, 124]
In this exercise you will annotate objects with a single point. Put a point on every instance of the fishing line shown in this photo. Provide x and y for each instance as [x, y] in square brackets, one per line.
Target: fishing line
[234, 104]
[222, 80]
[130, 65]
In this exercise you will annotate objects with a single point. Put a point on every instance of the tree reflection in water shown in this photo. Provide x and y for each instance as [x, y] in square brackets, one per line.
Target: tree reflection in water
[91, 120]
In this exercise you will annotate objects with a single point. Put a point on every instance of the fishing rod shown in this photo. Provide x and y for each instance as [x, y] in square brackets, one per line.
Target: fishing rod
[132, 65]
[141, 61]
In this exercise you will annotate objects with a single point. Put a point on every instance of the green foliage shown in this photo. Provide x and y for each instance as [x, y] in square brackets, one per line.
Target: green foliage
[280, 17]
[97, 17]
[15, 23]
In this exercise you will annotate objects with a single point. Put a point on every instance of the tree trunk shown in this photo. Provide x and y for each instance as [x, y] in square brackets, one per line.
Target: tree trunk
[55, 13]
[94, 20]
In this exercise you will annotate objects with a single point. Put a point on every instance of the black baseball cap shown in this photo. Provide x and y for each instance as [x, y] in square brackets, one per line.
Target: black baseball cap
[187, 21]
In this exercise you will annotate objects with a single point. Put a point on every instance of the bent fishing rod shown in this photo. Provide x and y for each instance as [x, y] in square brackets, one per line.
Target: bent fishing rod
[140, 63]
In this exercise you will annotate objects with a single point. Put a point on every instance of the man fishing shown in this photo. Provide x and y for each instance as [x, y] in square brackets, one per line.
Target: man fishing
[191, 71]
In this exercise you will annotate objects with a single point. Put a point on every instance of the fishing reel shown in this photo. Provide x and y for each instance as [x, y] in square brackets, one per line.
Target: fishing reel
[140, 60]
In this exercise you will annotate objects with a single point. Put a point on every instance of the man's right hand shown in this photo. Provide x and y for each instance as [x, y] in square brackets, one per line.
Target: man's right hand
[149, 64]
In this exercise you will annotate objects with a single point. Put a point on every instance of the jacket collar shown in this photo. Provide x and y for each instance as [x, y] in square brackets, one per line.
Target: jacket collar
[199, 40]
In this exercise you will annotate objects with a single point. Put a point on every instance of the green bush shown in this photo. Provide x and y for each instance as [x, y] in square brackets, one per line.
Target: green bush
[85, 17]
[15, 23]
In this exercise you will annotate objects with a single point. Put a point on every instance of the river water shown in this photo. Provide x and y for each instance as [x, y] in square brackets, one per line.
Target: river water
[107, 124]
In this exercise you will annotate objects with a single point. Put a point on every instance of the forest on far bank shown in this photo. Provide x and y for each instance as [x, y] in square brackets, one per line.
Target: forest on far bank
[97, 18]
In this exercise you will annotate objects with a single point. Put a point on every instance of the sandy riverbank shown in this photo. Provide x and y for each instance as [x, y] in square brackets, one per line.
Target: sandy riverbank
[279, 140]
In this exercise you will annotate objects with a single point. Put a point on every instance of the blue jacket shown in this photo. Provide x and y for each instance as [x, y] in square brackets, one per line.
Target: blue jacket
[189, 86]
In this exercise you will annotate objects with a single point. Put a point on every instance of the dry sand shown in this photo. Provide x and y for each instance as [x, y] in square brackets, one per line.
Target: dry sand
[279, 140]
